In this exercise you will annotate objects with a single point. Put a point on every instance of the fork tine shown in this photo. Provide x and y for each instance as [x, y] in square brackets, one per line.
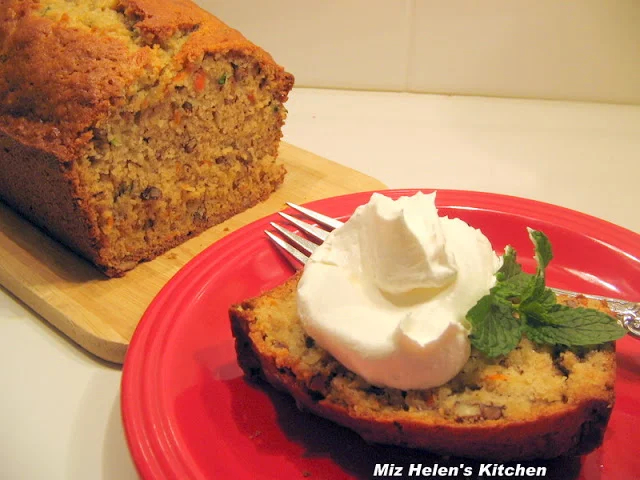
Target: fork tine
[312, 230]
[303, 243]
[297, 254]
[318, 217]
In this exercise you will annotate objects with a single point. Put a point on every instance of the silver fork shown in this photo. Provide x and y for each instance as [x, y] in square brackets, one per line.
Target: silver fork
[627, 313]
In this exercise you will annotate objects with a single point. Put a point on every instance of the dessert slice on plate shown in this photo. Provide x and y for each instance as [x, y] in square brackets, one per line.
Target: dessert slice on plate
[406, 328]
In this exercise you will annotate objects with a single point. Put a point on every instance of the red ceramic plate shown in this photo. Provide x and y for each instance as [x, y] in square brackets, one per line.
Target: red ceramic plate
[189, 414]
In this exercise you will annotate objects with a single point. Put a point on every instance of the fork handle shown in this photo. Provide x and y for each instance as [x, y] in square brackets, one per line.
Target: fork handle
[627, 313]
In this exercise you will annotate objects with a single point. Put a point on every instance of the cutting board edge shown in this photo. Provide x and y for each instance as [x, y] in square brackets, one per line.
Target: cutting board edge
[106, 349]
[104, 345]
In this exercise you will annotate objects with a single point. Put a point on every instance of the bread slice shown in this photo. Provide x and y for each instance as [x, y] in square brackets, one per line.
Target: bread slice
[128, 126]
[535, 402]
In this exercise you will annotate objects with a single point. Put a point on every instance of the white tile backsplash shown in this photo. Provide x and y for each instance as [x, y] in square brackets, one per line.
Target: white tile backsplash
[359, 44]
[554, 49]
[566, 49]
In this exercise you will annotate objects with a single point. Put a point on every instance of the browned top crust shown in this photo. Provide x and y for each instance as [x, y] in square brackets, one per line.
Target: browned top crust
[60, 75]
[55, 81]
[159, 21]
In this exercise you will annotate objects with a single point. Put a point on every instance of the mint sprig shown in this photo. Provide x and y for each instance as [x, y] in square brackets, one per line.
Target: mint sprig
[520, 303]
[495, 329]
[573, 327]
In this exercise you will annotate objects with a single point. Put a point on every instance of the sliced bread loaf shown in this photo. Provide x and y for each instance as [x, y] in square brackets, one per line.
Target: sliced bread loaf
[128, 126]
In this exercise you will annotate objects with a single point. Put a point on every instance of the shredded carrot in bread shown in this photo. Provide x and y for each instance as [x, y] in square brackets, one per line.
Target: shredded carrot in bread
[199, 81]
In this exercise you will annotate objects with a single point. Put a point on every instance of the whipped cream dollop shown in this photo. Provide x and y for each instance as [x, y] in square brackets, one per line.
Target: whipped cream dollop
[387, 293]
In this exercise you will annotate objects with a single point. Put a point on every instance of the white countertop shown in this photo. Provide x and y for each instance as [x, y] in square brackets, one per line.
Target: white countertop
[60, 407]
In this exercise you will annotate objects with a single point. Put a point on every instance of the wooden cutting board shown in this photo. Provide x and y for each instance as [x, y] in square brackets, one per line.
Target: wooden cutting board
[100, 313]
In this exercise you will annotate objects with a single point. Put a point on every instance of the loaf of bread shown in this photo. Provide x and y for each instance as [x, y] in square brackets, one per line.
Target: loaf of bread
[536, 402]
[127, 126]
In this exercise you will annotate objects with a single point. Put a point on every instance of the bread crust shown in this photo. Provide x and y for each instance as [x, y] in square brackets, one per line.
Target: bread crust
[45, 192]
[56, 82]
[59, 83]
[567, 429]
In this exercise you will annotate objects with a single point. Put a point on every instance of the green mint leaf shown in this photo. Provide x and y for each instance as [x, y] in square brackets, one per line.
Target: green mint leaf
[510, 265]
[542, 248]
[223, 79]
[494, 329]
[534, 313]
[573, 327]
[535, 290]
[548, 298]
[513, 289]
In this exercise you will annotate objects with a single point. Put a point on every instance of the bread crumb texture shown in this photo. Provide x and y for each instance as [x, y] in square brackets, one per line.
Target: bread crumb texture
[530, 382]
[162, 119]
